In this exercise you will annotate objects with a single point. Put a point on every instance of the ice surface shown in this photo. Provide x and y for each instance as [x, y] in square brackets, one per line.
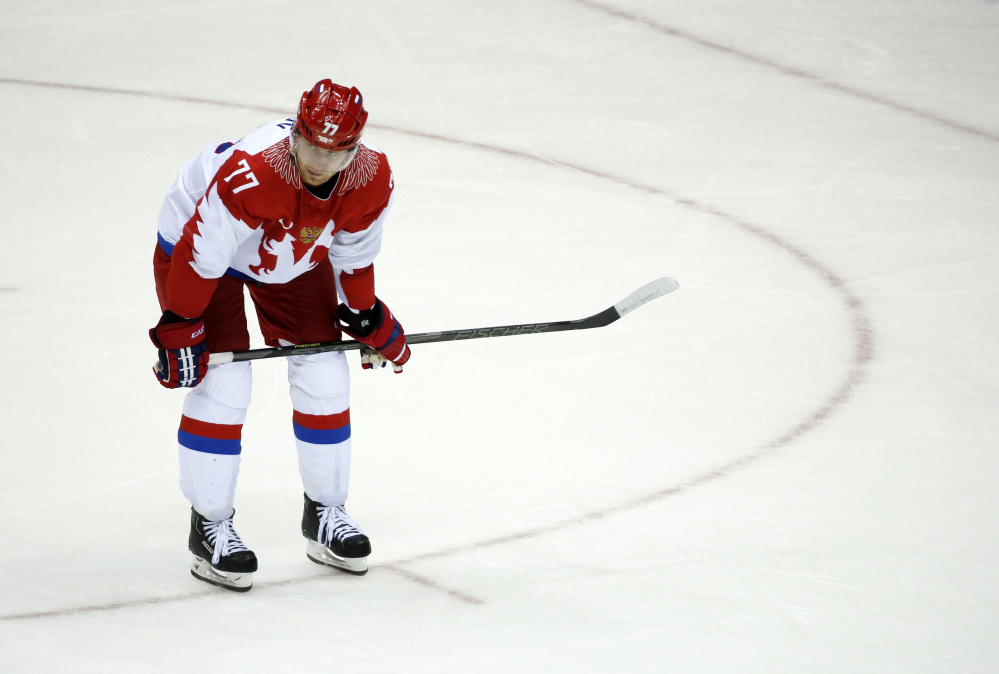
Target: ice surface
[788, 465]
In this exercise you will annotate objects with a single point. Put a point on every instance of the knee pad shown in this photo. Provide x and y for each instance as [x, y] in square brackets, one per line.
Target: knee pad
[223, 396]
[320, 383]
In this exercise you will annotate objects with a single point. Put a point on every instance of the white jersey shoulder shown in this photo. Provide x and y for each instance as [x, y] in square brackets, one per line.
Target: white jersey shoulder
[198, 172]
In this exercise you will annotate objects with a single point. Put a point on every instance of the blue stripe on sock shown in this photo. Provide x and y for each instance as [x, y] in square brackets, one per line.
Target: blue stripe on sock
[199, 443]
[330, 436]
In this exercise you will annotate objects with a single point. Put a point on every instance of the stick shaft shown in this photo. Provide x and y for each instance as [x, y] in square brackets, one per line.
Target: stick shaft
[646, 293]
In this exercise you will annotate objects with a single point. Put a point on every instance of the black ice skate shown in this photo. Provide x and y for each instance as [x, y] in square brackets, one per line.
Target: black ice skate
[334, 538]
[220, 558]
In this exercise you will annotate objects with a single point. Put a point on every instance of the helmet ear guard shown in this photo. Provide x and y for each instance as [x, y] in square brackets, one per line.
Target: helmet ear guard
[331, 116]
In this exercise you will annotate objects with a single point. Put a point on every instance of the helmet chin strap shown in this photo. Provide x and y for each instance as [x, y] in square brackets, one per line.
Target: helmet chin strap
[324, 189]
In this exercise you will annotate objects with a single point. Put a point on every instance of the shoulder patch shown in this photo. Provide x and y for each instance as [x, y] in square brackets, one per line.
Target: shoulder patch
[278, 157]
[361, 170]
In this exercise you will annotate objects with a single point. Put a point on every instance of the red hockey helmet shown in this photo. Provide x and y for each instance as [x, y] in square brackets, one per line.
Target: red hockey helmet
[331, 116]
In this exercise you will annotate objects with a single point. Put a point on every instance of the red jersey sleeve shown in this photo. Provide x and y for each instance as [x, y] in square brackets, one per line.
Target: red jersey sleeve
[359, 287]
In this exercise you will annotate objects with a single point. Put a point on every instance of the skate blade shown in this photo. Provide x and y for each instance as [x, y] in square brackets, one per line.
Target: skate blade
[237, 582]
[320, 554]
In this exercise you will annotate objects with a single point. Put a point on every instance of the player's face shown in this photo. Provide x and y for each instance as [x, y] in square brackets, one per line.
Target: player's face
[317, 165]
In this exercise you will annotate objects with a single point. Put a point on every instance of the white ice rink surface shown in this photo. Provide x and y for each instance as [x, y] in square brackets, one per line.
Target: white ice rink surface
[790, 465]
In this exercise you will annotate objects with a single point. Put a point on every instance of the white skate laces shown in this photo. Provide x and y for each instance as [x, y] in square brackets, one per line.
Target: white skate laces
[335, 523]
[223, 536]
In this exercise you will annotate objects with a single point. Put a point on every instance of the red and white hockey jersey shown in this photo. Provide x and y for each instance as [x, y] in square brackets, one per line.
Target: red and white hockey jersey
[241, 209]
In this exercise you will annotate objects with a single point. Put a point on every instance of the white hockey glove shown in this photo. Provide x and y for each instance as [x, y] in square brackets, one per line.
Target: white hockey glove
[371, 359]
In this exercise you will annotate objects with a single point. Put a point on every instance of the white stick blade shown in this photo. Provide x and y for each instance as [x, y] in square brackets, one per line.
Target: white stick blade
[646, 294]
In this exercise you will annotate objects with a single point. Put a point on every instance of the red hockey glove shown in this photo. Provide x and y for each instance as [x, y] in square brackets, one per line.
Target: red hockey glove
[183, 352]
[377, 328]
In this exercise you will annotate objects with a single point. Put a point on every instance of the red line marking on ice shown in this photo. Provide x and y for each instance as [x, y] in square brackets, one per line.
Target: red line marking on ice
[863, 352]
[863, 334]
[220, 592]
[838, 87]
[426, 582]
[81, 610]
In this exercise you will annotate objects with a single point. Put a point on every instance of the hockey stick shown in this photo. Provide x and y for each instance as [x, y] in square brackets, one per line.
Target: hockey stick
[643, 295]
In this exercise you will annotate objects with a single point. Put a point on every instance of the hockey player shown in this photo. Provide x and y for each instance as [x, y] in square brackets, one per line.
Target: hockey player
[294, 213]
